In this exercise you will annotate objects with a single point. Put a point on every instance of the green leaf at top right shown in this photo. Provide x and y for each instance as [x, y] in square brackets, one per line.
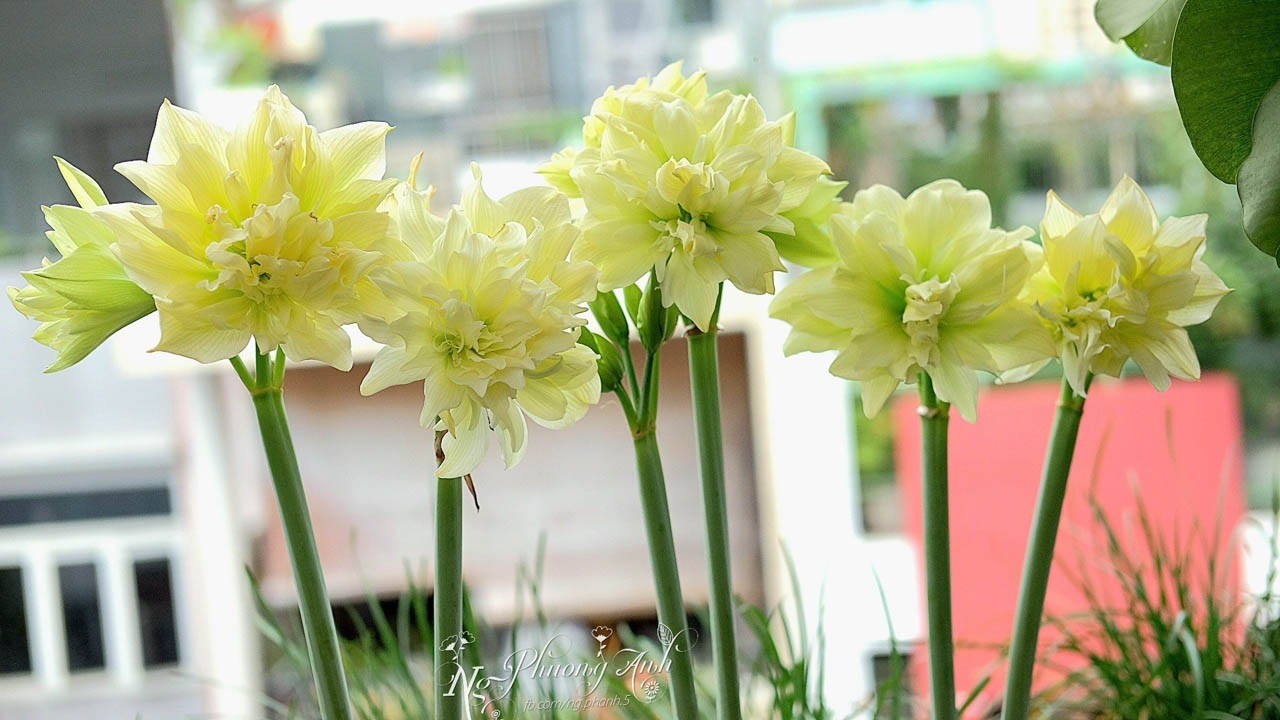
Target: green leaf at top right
[1226, 56]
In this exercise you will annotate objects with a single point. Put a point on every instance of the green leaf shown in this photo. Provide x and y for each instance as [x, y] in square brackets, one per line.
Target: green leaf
[610, 368]
[631, 294]
[1120, 18]
[609, 363]
[590, 339]
[611, 317]
[1154, 40]
[1226, 56]
[1146, 26]
[1259, 179]
[652, 320]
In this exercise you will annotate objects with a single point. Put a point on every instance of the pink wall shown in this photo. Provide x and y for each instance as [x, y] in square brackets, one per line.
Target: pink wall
[1180, 451]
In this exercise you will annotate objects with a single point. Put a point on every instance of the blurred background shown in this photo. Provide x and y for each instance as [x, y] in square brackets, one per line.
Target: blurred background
[132, 488]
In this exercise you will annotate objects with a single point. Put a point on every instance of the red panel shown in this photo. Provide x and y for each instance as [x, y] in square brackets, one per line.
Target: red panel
[1179, 451]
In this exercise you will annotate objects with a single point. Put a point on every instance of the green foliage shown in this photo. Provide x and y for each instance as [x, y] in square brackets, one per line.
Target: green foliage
[613, 320]
[892, 697]
[389, 663]
[788, 664]
[1225, 59]
[1172, 643]
[1146, 26]
[980, 159]
[652, 316]
[1258, 181]
[608, 360]
[1225, 64]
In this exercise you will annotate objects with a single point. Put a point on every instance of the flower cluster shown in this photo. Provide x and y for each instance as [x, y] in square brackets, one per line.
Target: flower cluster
[280, 234]
[920, 284]
[490, 314]
[694, 187]
[264, 233]
[1120, 285]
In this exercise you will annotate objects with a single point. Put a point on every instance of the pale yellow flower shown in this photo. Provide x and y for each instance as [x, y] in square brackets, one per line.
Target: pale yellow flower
[491, 314]
[809, 244]
[920, 284]
[266, 232]
[1121, 285]
[630, 102]
[85, 297]
[694, 187]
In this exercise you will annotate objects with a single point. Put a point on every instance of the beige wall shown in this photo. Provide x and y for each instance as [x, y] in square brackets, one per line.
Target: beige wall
[367, 466]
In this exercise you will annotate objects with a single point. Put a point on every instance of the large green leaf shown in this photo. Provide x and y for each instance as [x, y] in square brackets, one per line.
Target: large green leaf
[1259, 178]
[1145, 25]
[1226, 56]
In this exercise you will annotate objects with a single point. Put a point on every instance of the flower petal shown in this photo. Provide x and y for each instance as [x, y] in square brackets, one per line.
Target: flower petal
[195, 336]
[84, 188]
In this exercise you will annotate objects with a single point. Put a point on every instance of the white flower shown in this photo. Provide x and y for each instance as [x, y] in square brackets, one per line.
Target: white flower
[1121, 285]
[921, 284]
[491, 314]
[691, 186]
[266, 232]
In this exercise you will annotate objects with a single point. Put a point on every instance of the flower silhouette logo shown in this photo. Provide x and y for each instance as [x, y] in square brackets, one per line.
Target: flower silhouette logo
[601, 633]
[456, 644]
[650, 689]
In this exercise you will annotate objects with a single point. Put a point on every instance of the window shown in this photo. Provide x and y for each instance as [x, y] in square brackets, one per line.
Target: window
[156, 616]
[95, 568]
[20, 510]
[82, 616]
[892, 680]
[15, 651]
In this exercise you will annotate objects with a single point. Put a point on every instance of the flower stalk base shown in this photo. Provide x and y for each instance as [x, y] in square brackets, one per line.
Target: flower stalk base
[447, 602]
[937, 551]
[1039, 562]
[704, 371]
[313, 597]
[666, 575]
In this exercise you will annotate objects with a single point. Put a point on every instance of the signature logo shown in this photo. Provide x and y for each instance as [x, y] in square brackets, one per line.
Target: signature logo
[640, 670]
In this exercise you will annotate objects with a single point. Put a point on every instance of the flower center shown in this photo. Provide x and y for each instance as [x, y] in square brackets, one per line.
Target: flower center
[696, 190]
[1084, 316]
[690, 233]
[277, 251]
[927, 304]
[694, 187]
[486, 347]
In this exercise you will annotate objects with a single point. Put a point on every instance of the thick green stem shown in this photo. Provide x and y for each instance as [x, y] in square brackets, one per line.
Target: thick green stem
[937, 551]
[313, 598]
[666, 576]
[704, 372]
[1039, 562]
[450, 689]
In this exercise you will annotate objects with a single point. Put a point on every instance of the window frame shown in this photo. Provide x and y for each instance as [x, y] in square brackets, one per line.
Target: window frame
[114, 547]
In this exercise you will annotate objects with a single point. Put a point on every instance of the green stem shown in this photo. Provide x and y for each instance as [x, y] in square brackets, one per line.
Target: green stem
[447, 602]
[1039, 561]
[937, 551]
[704, 372]
[629, 363]
[647, 409]
[666, 575]
[313, 598]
